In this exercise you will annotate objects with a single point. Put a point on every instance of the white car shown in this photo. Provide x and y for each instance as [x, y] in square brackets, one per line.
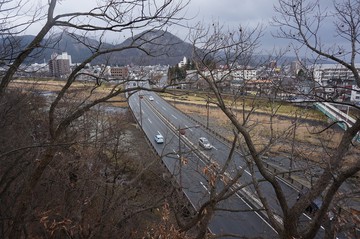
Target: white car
[151, 98]
[159, 139]
[203, 142]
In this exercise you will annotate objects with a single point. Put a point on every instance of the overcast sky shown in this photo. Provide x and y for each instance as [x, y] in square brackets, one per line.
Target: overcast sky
[227, 11]
[233, 13]
[230, 13]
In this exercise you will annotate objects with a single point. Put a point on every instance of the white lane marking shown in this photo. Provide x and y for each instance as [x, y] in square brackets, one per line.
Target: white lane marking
[240, 197]
[202, 184]
[245, 171]
[176, 154]
[309, 218]
[188, 127]
[174, 116]
[163, 108]
[149, 121]
[237, 194]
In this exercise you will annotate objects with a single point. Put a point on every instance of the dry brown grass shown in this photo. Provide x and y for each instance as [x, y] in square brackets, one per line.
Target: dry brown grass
[261, 105]
[79, 90]
[309, 143]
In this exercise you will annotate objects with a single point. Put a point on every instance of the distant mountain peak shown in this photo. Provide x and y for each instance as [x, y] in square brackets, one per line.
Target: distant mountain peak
[163, 47]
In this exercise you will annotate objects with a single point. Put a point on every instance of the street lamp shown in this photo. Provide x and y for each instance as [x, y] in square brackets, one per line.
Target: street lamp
[293, 145]
[182, 131]
[207, 112]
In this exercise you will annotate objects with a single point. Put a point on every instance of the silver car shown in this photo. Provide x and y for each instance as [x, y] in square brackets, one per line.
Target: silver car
[159, 139]
[203, 142]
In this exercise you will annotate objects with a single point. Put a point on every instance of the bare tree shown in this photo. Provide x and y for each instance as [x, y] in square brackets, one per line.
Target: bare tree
[69, 105]
[111, 16]
[302, 22]
[220, 55]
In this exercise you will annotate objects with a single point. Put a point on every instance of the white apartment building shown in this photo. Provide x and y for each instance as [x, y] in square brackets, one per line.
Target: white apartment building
[59, 65]
[355, 95]
[183, 62]
[244, 74]
[336, 79]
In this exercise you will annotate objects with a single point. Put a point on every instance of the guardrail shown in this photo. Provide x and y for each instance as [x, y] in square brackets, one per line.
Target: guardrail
[297, 182]
[281, 172]
[343, 120]
[245, 194]
[190, 206]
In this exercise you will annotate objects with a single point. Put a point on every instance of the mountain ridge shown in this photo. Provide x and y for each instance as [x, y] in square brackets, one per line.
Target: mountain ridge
[161, 48]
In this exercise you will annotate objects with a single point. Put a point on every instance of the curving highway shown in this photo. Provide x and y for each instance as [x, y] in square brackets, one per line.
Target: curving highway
[186, 161]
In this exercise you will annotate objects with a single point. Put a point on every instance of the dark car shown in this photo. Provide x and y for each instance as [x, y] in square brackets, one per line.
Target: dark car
[314, 205]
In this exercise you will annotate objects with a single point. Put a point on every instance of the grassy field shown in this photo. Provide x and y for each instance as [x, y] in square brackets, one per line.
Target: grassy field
[308, 142]
[261, 105]
[77, 90]
[302, 140]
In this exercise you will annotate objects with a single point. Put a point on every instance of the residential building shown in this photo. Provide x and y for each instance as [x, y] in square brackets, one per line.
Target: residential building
[244, 73]
[59, 65]
[355, 94]
[259, 86]
[227, 80]
[183, 62]
[335, 81]
[295, 67]
[119, 72]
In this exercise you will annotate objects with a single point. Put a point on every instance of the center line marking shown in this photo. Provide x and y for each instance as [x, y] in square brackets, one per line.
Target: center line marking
[188, 128]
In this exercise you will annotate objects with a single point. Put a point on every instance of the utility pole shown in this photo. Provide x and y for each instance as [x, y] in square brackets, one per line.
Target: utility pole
[293, 146]
[182, 131]
[140, 98]
[207, 112]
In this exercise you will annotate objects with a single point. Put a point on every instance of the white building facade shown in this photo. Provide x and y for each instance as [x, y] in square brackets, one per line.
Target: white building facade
[59, 65]
[355, 94]
[337, 80]
[244, 74]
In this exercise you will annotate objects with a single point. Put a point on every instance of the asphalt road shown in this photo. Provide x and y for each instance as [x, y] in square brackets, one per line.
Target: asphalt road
[189, 175]
[158, 116]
